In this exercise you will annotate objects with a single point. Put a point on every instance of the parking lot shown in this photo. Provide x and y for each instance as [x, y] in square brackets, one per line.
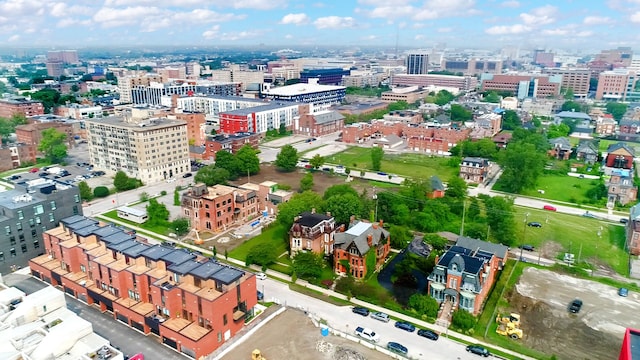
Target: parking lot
[542, 298]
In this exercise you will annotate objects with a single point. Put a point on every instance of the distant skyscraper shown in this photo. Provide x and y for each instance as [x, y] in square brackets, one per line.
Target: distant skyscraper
[417, 63]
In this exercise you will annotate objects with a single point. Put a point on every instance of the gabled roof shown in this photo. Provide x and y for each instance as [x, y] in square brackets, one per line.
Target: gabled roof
[357, 235]
[573, 115]
[587, 147]
[629, 122]
[308, 219]
[436, 183]
[476, 160]
[620, 145]
[498, 250]
[561, 142]
[327, 116]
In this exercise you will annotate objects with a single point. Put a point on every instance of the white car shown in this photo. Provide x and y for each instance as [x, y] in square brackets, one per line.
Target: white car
[261, 276]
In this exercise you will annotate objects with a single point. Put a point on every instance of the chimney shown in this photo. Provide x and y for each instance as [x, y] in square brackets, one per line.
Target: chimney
[370, 240]
[313, 210]
[342, 228]
[352, 219]
[374, 225]
[381, 223]
[328, 213]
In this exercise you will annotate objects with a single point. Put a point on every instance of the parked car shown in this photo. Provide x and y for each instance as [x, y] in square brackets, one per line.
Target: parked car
[624, 221]
[261, 276]
[575, 306]
[431, 335]
[15, 177]
[397, 348]
[407, 326]
[34, 170]
[478, 350]
[380, 316]
[186, 175]
[260, 295]
[43, 174]
[527, 247]
[367, 334]
[589, 215]
[534, 224]
[549, 207]
[624, 292]
[360, 310]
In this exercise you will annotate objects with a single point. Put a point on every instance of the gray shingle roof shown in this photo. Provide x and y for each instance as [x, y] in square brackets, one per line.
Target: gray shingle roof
[357, 234]
[498, 250]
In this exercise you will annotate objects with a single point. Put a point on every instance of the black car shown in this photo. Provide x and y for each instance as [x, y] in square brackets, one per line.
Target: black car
[397, 348]
[527, 247]
[43, 174]
[478, 350]
[575, 306]
[624, 221]
[260, 295]
[360, 310]
[534, 224]
[431, 335]
[407, 326]
[186, 175]
[15, 177]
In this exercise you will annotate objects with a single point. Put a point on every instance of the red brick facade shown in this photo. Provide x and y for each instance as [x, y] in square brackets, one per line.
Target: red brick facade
[356, 244]
[230, 143]
[20, 106]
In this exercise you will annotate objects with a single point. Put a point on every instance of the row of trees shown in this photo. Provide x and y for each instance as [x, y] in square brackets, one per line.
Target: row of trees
[230, 166]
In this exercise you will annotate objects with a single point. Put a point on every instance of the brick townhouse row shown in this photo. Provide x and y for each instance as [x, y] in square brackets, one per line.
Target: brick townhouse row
[192, 303]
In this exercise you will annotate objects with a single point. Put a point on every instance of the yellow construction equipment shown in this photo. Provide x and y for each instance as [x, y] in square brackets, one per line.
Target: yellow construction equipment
[509, 326]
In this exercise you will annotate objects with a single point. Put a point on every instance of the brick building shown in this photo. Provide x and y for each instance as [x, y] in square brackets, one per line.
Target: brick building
[192, 303]
[231, 143]
[259, 119]
[319, 124]
[464, 275]
[14, 155]
[523, 86]
[621, 188]
[195, 126]
[619, 156]
[474, 170]
[360, 249]
[18, 105]
[31, 134]
[312, 232]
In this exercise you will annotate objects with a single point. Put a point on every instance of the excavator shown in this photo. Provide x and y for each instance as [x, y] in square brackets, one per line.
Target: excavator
[509, 326]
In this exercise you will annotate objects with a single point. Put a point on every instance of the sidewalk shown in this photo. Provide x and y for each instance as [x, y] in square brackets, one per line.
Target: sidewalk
[283, 277]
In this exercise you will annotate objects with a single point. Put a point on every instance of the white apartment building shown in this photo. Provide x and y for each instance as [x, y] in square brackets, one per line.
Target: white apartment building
[127, 83]
[322, 97]
[213, 105]
[235, 74]
[79, 112]
[157, 93]
[151, 150]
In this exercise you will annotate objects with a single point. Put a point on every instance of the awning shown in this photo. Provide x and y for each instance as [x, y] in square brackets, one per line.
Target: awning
[450, 291]
[468, 294]
[437, 286]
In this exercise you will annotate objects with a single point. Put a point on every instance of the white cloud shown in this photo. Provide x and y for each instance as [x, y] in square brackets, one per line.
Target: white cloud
[508, 29]
[211, 33]
[63, 10]
[510, 4]
[444, 30]
[383, 2]
[13, 9]
[13, 38]
[394, 11]
[152, 18]
[288, 36]
[334, 22]
[419, 37]
[295, 19]
[555, 32]
[431, 9]
[540, 16]
[237, 4]
[370, 38]
[234, 36]
[596, 20]
[635, 17]
[113, 17]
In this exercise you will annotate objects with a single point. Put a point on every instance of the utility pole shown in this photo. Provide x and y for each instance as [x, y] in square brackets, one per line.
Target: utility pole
[375, 197]
[524, 235]
[464, 213]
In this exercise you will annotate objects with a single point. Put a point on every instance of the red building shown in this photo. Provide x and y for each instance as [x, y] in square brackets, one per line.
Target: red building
[319, 124]
[195, 126]
[14, 155]
[231, 143]
[630, 349]
[192, 303]
[312, 232]
[360, 249]
[619, 156]
[8, 107]
[31, 134]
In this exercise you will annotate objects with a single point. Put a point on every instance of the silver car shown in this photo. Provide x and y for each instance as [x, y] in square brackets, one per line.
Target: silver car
[380, 316]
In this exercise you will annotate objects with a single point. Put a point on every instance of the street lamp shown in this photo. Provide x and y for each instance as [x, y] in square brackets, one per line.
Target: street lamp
[375, 197]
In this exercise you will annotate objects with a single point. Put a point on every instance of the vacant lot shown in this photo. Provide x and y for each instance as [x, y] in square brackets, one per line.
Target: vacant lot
[562, 188]
[599, 243]
[410, 165]
[292, 335]
[542, 298]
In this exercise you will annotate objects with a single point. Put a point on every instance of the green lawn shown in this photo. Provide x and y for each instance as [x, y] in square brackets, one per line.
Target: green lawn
[158, 229]
[604, 144]
[575, 234]
[273, 235]
[409, 165]
[562, 187]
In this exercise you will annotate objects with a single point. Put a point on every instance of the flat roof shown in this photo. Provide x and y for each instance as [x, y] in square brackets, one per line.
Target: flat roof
[136, 250]
[132, 211]
[255, 109]
[116, 238]
[136, 124]
[301, 88]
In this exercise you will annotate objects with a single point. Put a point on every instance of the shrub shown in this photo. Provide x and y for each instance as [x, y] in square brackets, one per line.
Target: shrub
[163, 192]
[462, 320]
[101, 191]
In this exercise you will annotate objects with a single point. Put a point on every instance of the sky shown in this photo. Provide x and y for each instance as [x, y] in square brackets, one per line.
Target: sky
[490, 24]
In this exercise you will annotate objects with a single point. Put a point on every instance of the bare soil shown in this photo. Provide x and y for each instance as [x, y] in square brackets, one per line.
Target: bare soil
[542, 298]
[292, 335]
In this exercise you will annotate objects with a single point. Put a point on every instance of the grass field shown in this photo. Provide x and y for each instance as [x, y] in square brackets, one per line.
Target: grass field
[604, 144]
[273, 235]
[562, 188]
[409, 165]
[575, 234]
[158, 229]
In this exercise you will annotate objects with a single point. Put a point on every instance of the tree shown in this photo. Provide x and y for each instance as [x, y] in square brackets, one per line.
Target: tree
[283, 129]
[556, 131]
[424, 305]
[180, 225]
[287, 158]
[443, 97]
[176, 197]
[52, 145]
[75, 88]
[459, 113]
[400, 236]
[436, 241]
[456, 188]
[510, 120]
[617, 110]
[212, 175]
[85, 191]
[316, 161]
[121, 181]
[376, 158]
[144, 196]
[343, 206]
[307, 265]
[263, 254]
[571, 105]
[340, 189]
[157, 213]
[569, 94]
[226, 160]
[247, 160]
[306, 183]
[522, 164]
[298, 203]
[491, 97]
[100, 191]
[500, 218]
[462, 320]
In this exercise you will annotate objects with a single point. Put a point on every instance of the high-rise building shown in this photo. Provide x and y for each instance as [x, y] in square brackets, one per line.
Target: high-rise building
[417, 63]
[575, 79]
[127, 83]
[332, 76]
[523, 86]
[63, 56]
[55, 68]
[235, 74]
[619, 84]
[472, 67]
[20, 105]
[149, 149]
[157, 93]
[620, 57]
[29, 210]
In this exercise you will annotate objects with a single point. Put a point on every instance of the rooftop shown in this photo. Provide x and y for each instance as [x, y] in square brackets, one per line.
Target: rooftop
[137, 124]
[301, 88]
[257, 109]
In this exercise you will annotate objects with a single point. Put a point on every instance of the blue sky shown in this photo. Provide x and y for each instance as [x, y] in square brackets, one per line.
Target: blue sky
[568, 24]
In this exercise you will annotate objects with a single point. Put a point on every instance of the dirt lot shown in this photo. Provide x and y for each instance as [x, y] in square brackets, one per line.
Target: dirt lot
[276, 341]
[542, 298]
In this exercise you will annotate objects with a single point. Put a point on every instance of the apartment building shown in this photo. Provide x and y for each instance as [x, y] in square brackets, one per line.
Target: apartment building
[161, 93]
[472, 66]
[417, 63]
[213, 105]
[319, 123]
[218, 207]
[409, 94]
[363, 79]
[151, 150]
[575, 79]
[320, 96]
[20, 105]
[618, 85]
[464, 83]
[329, 76]
[312, 232]
[620, 56]
[195, 126]
[464, 275]
[352, 248]
[14, 155]
[474, 170]
[192, 303]
[79, 111]
[26, 212]
[259, 119]
[31, 134]
[234, 74]
[63, 56]
[523, 86]
[55, 68]
[229, 142]
[126, 84]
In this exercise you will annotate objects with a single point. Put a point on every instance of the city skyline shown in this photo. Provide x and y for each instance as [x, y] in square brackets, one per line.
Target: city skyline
[406, 23]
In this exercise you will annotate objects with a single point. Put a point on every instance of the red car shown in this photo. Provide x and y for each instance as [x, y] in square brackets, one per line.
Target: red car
[549, 207]
[34, 170]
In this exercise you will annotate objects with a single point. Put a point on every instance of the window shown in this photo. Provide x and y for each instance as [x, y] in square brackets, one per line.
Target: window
[51, 218]
[36, 244]
[33, 232]
[1, 256]
[53, 205]
[21, 237]
[32, 222]
[76, 198]
[38, 209]
[7, 230]
[19, 226]
[12, 251]
[453, 283]
[75, 210]
[224, 319]
[20, 214]
[38, 221]
[24, 248]
[12, 240]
